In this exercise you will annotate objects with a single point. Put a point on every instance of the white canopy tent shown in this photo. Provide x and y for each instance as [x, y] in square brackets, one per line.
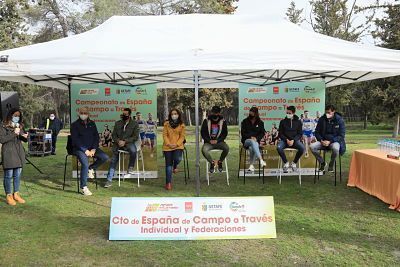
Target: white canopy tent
[196, 51]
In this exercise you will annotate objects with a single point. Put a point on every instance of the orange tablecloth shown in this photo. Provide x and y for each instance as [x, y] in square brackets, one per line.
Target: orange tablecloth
[374, 173]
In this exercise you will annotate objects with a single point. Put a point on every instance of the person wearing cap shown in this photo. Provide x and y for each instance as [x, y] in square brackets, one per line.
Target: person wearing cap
[85, 144]
[214, 131]
[252, 131]
[290, 133]
[55, 125]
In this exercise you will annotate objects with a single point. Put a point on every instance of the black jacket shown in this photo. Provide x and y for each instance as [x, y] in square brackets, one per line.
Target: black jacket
[206, 130]
[84, 136]
[130, 133]
[249, 130]
[54, 125]
[290, 129]
[333, 130]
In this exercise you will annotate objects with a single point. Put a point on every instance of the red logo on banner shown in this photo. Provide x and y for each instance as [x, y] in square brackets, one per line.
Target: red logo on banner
[188, 207]
[276, 90]
[107, 91]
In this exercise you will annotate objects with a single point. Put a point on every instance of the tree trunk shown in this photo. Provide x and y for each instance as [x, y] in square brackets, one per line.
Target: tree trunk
[166, 108]
[61, 19]
[365, 121]
[189, 118]
[397, 127]
[204, 115]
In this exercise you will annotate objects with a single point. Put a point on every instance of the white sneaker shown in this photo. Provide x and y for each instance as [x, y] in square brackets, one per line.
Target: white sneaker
[251, 168]
[293, 166]
[86, 191]
[91, 174]
[285, 167]
[263, 163]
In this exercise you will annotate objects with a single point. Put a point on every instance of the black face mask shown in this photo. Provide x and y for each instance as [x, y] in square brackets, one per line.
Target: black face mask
[251, 116]
[124, 117]
[214, 117]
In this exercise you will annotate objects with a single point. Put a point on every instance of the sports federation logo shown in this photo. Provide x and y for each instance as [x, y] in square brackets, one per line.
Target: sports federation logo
[234, 206]
[204, 207]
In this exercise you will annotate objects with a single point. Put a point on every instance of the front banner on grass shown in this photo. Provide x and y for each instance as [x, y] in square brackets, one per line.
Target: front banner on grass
[179, 218]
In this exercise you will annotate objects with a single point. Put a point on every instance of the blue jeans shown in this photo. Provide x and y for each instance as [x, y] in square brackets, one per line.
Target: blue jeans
[100, 156]
[131, 148]
[172, 159]
[9, 174]
[296, 145]
[254, 149]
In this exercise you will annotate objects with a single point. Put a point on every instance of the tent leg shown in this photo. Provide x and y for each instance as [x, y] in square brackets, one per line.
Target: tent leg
[196, 93]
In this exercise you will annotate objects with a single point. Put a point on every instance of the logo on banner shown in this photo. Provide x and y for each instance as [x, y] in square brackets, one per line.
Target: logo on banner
[89, 91]
[124, 91]
[160, 207]
[310, 90]
[234, 206]
[275, 90]
[292, 90]
[141, 91]
[210, 207]
[188, 207]
[107, 91]
[256, 90]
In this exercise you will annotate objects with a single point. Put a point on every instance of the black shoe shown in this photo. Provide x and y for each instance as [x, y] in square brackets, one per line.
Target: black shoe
[331, 165]
[212, 168]
[220, 169]
[53, 153]
[108, 184]
[322, 166]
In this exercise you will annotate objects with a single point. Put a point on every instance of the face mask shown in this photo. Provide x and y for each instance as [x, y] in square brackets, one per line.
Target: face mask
[124, 117]
[329, 116]
[251, 116]
[15, 119]
[289, 116]
[83, 116]
[214, 117]
[52, 117]
[175, 117]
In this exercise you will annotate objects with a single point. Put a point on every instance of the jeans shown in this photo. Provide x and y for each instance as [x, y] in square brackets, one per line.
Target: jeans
[131, 148]
[254, 149]
[101, 158]
[54, 142]
[172, 159]
[296, 145]
[9, 174]
[317, 146]
[207, 147]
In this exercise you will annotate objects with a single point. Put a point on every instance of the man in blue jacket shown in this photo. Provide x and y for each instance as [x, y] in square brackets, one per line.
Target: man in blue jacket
[330, 133]
[85, 142]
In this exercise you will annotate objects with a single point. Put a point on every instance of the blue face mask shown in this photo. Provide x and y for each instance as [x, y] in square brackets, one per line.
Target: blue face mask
[15, 119]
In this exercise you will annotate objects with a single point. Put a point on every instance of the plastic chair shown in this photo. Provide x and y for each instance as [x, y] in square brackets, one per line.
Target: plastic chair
[280, 165]
[226, 169]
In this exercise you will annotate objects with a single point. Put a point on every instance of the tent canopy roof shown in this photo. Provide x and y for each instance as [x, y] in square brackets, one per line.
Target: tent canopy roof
[226, 49]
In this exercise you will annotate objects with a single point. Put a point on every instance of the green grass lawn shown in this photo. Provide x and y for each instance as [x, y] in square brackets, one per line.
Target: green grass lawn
[317, 224]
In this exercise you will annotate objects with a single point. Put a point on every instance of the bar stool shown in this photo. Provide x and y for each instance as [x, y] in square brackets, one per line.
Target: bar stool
[259, 165]
[316, 169]
[226, 169]
[121, 154]
[186, 164]
[280, 165]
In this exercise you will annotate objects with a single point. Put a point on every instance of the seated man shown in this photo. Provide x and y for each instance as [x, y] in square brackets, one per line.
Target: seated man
[330, 133]
[214, 131]
[290, 133]
[125, 134]
[85, 143]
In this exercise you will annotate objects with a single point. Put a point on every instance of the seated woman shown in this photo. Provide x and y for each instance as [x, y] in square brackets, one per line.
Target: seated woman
[252, 130]
[174, 136]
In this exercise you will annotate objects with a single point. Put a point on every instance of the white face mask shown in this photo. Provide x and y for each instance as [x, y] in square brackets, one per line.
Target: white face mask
[52, 117]
[289, 116]
[83, 116]
[329, 116]
[174, 117]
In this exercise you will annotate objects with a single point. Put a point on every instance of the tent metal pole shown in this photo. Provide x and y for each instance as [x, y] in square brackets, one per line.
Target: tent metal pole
[70, 101]
[196, 93]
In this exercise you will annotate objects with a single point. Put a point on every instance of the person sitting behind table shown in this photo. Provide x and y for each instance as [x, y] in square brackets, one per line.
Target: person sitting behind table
[85, 143]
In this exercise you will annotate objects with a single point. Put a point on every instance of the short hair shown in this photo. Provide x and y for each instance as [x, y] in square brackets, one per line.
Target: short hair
[216, 109]
[138, 113]
[330, 107]
[291, 108]
[129, 110]
[305, 111]
[83, 109]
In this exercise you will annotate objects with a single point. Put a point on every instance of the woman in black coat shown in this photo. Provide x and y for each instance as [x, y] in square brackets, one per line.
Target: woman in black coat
[13, 154]
[252, 131]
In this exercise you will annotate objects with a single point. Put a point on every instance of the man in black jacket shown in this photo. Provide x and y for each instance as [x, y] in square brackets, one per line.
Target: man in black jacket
[330, 133]
[214, 131]
[55, 125]
[290, 133]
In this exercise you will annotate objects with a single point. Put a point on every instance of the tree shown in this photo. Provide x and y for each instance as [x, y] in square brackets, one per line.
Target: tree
[293, 14]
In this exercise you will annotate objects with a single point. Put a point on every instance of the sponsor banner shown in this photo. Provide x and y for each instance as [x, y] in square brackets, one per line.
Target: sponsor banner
[272, 100]
[106, 103]
[179, 218]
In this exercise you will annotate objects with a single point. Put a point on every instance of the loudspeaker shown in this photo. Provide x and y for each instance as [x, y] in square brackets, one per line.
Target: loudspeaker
[8, 101]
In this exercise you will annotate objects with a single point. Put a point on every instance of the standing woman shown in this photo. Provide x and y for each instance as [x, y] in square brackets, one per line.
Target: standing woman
[174, 137]
[252, 130]
[13, 154]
